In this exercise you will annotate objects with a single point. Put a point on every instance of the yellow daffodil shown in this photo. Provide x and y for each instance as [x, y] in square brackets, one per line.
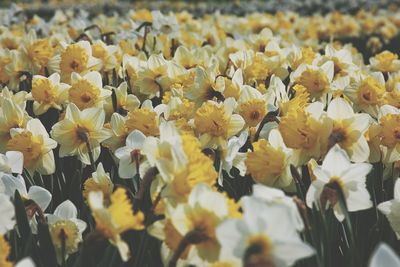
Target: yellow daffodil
[116, 218]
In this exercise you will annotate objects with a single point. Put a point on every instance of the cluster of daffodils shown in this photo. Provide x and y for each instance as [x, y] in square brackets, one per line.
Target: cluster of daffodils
[153, 139]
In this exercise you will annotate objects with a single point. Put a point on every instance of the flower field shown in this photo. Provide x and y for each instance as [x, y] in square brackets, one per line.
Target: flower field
[139, 137]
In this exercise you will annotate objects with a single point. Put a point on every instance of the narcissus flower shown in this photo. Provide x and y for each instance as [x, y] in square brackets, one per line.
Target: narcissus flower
[266, 233]
[130, 156]
[77, 58]
[78, 129]
[215, 122]
[384, 256]
[99, 181]
[315, 79]
[87, 91]
[9, 184]
[65, 229]
[47, 93]
[348, 129]
[389, 122]
[351, 178]
[11, 116]
[116, 218]
[385, 61]
[269, 162]
[35, 145]
[367, 93]
[203, 212]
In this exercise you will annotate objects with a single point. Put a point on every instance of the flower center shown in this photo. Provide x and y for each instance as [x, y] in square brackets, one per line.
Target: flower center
[314, 80]
[253, 111]
[84, 94]
[74, 59]
[370, 92]
[390, 130]
[67, 233]
[258, 245]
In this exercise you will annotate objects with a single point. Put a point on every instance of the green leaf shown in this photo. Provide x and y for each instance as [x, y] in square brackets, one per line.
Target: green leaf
[20, 214]
[46, 247]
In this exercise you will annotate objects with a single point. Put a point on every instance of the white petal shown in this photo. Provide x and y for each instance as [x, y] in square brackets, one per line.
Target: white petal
[384, 256]
[135, 139]
[15, 161]
[66, 210]
[336, 160]
[40, 195]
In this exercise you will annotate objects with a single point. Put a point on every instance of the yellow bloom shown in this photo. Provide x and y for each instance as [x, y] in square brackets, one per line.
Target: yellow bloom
[47, 93]
[216, 123]
[100, 181]
[144, 119]
[76, 58]
[4, 252]
[35, 145]
[87, 91]
[11, 116]
[385, 61]
[367, 93]
[115, 219]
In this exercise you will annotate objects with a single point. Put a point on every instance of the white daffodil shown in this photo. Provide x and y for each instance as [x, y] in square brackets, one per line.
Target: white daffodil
[342, 59]
[231, 157]
[391, 209]
[348, 129]
[7, 211]
[114, 219]
[65, 228]
[106, 54]
[265, 232]
[79, 128]
[203, 212]
[165, 24]
[11, 162]
[384, 256]
[130, 156]
[274, 196]
[166, 152]
[207, 85]
[36, 146]
[40, 195]
[125, 102]
[351, 177]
